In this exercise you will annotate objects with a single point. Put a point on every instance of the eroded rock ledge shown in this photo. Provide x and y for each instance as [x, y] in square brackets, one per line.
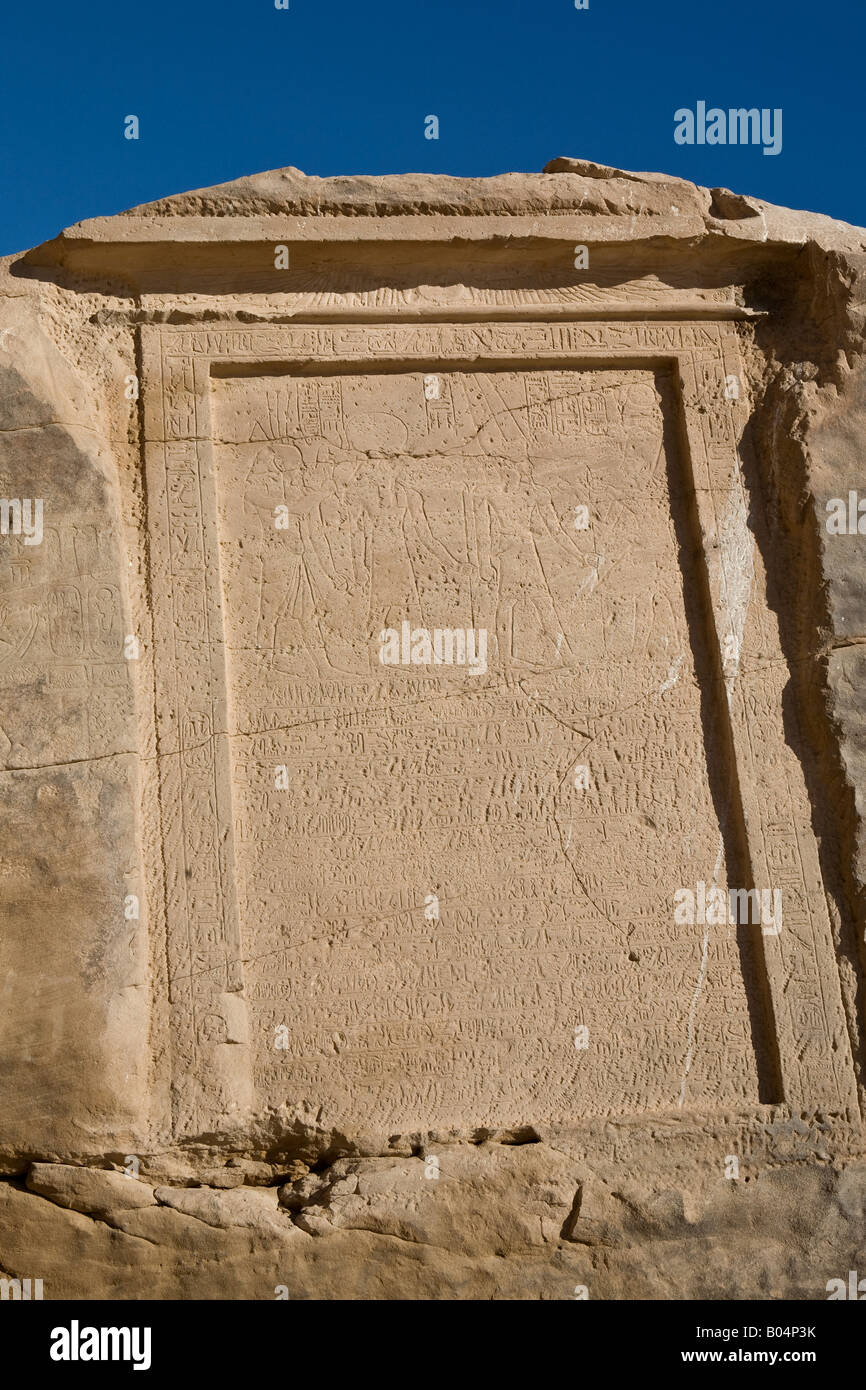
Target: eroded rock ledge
[499, 1222]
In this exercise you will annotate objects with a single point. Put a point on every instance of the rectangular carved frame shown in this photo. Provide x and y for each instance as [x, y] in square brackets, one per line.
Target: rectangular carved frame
[191, 870]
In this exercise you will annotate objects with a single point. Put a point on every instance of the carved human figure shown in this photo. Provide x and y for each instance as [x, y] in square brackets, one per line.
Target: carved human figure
[294, 567]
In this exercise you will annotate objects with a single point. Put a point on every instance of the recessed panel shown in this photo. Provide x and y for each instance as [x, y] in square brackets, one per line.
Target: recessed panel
[475, 750]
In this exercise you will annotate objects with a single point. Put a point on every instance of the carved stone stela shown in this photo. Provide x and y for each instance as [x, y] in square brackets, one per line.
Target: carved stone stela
[432, 764]
[420, 894]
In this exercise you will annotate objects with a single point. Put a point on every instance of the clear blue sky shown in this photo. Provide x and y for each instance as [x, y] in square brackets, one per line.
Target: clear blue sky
[342, 86]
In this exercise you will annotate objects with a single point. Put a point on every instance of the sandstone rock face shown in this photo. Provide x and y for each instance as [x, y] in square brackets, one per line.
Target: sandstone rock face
[432, 858]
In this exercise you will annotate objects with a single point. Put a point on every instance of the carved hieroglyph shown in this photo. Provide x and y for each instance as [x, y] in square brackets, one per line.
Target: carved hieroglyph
[418, 895]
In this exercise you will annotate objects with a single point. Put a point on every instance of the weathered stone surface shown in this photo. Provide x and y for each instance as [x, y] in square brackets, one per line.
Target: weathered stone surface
[489, 1230]
[434, 607]
[96, 1192]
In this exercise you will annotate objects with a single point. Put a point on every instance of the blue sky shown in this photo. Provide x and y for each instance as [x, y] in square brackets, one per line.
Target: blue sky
[335, 86]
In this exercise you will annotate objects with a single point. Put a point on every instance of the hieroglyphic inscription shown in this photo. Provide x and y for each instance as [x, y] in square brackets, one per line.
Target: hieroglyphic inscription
[554, 900]
[434, 341]
[456, 507]
[202, 935]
